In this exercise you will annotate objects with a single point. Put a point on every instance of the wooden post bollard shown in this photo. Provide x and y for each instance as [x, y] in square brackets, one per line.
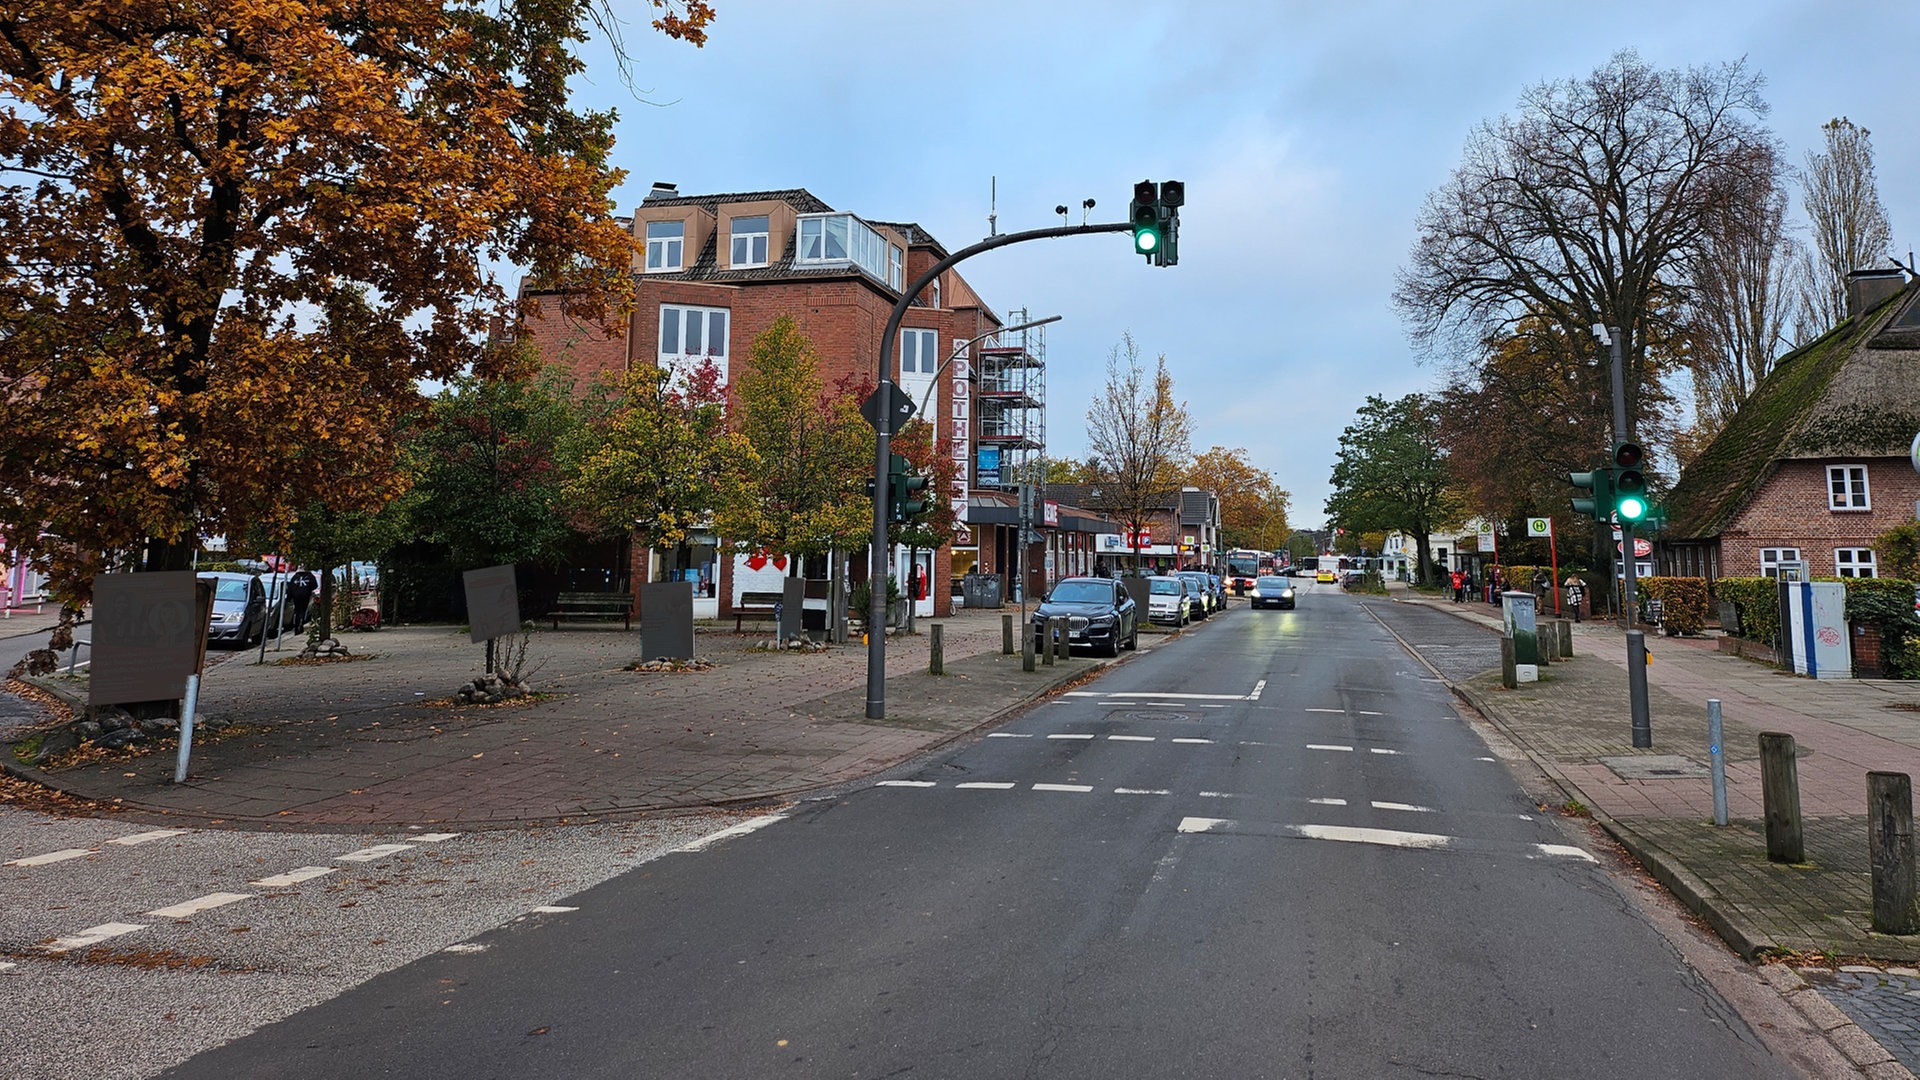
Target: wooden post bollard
[1509, 666]
[1027, 638]
[1890, 851]
[1006, 635]
[1780, 795]
[1564, 630]
[1060, 638]
[937, 659]
[1046, 642]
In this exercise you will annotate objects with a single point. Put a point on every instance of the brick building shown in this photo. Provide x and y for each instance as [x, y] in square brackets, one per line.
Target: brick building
[1814, 465]
[714, 271]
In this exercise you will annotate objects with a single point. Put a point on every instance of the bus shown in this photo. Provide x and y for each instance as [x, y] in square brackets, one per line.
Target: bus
[1244, 565]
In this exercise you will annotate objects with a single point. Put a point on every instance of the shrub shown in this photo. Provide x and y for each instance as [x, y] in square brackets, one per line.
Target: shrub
[1683, 602]
[1887, 604]
[1758, 601]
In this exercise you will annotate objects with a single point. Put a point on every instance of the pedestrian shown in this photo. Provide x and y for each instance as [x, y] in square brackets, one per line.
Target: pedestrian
[300, 589]
[1459, 587]
[1466, 582]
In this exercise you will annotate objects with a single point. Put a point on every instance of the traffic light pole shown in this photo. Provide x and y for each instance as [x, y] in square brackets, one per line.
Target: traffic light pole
[883, 445]
[1637, 707]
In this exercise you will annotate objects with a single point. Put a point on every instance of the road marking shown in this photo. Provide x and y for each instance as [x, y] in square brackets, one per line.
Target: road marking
[742, 829]
[1085, 736]
[1141, 791]
[981, 785]
[433, 837]
[1195, 742]
[7, 965]
[465, 947]
[1201, 824]
[1182, 697]
[905, 783]
[293, 877]
[1218, 795]
[378, 851]
[1341, 712]
[1329, 802]
[1415, 841]
[93, 935]
[1130, 738]
[553, 909]
[1257, 687]
[1007, 735]
[1566, 850]
[1329, 746]
[1364, 712]
[1378, 750]
[1483, 759]
[141, 838]
[1408, 807]
[199, 904]
[1062, 787]
[51, 857]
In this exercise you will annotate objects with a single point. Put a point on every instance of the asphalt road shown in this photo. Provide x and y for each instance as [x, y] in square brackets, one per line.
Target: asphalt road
[1270, 848]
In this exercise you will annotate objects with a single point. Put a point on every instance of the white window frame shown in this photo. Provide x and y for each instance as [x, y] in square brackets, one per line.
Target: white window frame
[681, 315]
[762, 235]
[936, 292]
[1772, 557]
[925, 344]
[1860, 563]
[1846, 499]
[665, 253]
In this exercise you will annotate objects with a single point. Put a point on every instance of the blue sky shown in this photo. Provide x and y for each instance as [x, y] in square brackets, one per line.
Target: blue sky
[1307, 134]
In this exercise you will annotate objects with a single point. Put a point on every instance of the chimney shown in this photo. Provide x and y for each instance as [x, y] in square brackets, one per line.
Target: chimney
[1866, 289]
[663, 190]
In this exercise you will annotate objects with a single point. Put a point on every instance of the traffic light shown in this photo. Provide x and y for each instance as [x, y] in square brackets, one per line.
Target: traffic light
[1629, 482]
[1144, 213]
[1173, 195]
[1599, 492]
[906, 501]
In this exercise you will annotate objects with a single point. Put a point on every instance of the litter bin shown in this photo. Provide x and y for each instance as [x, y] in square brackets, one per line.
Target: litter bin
[980, 590]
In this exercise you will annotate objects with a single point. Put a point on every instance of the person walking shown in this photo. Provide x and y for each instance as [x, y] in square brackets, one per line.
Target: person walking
[300, 589]
[1459, 587]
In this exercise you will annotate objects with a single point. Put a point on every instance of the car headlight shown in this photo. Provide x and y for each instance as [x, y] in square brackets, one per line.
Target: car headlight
[1286, 594]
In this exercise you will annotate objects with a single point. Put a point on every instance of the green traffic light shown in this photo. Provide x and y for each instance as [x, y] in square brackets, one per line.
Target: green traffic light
[1145, 241]
[1632, 508]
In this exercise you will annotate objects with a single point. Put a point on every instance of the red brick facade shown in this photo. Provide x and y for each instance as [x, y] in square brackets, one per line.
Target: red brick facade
[1791, 510]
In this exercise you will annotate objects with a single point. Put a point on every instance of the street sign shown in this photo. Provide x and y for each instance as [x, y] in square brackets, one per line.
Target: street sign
[896, 403]
[1641, 548]
[1539, 528]
[1916, 453]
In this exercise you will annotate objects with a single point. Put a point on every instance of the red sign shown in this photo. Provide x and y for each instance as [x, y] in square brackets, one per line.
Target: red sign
[1641, 548]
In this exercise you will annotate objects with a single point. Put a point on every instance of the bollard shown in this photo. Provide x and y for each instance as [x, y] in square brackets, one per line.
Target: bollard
[1715, 754]
[1046, 642]
[1509, 667]
[1028, 637]
[1564, 630]
[1060, 638]
[936, 658]
[1006, 635]
[1780, 795]
[1890, 851]
[187, 708]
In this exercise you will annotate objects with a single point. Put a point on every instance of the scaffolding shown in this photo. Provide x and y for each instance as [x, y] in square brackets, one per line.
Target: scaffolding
[1012, 400]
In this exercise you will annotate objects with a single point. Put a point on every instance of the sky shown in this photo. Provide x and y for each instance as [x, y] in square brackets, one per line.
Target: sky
[1308, 136]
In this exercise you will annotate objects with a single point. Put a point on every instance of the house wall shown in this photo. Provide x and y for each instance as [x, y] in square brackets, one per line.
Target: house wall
[1790, 510]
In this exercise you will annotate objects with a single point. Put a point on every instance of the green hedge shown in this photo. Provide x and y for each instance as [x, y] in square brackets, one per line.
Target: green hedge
[1758, 600]
[1887, 603]
[1683, 602]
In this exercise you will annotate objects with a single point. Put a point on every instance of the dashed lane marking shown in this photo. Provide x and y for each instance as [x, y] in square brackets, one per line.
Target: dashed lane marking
[145, 837]
[1080, 788]
[553, 909]
[1408, 807]
[1383, 750]
[981, 785]
[1329, 802]
[199, 904]
[742, 829]
[1195, 742]
[1088, 735]
[1141, 791]
[51, 857]
[1330, 746]
[93, 935]
[293, 877]
[1130, 738]
[378, 851]
[1349, 834]
[1158, 694]
[465, 947]
[904, 783]
[1008, 735]
[1337, 712]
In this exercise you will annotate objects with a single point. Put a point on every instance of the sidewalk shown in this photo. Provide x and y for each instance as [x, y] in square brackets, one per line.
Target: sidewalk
[371, 742]
[1658, 802]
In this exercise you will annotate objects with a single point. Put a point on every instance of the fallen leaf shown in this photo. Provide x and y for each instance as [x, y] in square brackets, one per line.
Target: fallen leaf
[538, 1031]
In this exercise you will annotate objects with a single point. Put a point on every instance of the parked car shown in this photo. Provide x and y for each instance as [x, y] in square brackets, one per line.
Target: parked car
[1100, 613]
[1202, 583]
[239, 608]
[1169, 600]
[1272, 592]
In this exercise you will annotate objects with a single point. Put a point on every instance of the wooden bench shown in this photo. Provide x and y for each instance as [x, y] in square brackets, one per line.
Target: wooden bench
[756, 605]
[592, 605]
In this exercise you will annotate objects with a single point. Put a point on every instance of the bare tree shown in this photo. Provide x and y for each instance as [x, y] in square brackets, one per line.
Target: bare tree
[1138, 437]
[1584, 208]
[1744, 295]
[1849, 225]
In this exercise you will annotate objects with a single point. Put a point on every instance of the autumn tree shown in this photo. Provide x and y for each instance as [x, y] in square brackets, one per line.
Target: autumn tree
[1253, 507]
[187, 185]
[1743, 298]
[1137, 437]
[1584, 207]
[1849, 225]
[661, 461]
[1065, 470]
[1392, 473]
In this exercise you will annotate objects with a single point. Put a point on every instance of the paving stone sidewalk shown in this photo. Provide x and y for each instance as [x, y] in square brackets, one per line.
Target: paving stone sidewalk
[372, 742]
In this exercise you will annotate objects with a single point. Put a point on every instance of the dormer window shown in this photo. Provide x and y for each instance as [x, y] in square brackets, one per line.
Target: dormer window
[749, 236]
[830, 239]
[666, 242]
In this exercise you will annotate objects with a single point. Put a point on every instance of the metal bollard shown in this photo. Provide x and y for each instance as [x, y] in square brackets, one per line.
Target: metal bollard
[1890, 851]
[1028, 637]
[1718, 759]
[1006, 635]
[1046, 642]
[937, 659]
[1780, 794]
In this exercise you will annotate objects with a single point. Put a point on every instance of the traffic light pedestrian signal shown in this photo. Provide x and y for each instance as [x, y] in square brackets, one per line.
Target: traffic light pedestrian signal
[1154, 214]
[1599, 495]
[906, 499]
[1629, 482]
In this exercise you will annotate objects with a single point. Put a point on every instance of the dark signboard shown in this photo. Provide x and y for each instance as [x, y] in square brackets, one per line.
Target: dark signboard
[493, 603]
[146, 637]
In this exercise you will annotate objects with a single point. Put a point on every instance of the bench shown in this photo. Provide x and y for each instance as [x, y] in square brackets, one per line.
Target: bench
[592, 605]
[756, 605]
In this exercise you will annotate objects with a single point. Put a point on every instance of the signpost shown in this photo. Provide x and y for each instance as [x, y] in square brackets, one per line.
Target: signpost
[1537, 528]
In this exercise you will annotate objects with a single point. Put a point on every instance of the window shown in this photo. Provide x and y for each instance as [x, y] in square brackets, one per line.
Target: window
[916, 352]
[895, 260]
[1853, 562]
[1771, 558]
[691, 333]
[843, 238]
[936, 292]
[749, 241]
[1847, 487]
[666, 240]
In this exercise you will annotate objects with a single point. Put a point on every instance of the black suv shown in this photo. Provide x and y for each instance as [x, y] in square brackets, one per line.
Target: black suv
[1099, 612]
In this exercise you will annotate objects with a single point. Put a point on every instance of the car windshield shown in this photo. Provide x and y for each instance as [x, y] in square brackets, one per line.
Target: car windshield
[230, 589]
[1081, 592]
[1162, 587]
[1272, 583]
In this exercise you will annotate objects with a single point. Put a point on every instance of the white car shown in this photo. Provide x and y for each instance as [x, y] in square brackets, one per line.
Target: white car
[1169, 601]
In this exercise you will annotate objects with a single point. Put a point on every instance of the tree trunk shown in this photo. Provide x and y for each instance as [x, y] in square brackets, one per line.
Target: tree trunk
[169, 554]
[324, 617]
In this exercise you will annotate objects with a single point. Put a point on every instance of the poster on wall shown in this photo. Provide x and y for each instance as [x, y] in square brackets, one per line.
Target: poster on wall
[990, 466]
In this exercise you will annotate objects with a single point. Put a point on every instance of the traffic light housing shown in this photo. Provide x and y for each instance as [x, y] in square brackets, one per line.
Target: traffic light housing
[1144, 213]
[906, 499]
[1599, 497]
[1629, 482]
[1173, 195]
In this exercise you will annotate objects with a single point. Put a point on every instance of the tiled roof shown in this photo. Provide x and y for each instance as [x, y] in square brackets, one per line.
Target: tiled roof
[802, 200]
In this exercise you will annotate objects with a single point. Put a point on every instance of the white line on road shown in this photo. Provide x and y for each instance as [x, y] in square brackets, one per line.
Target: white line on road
[1347, 834]
[1141, 791]
[1088, 735]
[1195, 742]
[1007, 735]
[199, 904]
[465, 947]
[1062, 787]
[1329, 746]
[293, 877]
[51, 857]
[1364, 712]
[92, 936]
[553, 909]
[1130, 738]
[141, 838]
[1257, 687]
[1329, 802]
[1218, 795]
[982, 785]
[1341, 712]
[904, 783]
[742, 829]
[1408, 807]
[378, 851]
[1182, 697]
[1379, 750]
[1201, 824]
[433, 837]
